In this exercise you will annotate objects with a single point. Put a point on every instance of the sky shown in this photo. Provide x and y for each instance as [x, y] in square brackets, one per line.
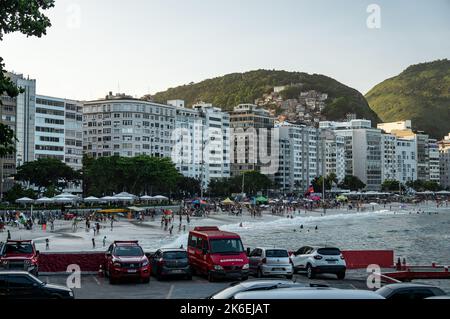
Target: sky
[145, 46]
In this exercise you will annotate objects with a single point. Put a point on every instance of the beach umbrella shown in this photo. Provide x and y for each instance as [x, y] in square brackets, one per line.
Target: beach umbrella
[146, 197]
[159, 197]
[24, 200]
[66, 195]
[63, 200]
[108, 199]
[261, 199]
[227, 201]
[44, 200]
[91, 199]
[373, 204]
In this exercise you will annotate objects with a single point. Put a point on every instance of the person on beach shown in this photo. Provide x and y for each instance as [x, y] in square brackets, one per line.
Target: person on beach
[8, 236]
[104, 241]
[93, 243]
[47, 244]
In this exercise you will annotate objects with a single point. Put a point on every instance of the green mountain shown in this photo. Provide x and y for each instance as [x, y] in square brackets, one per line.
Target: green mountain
[232, 89]
[421, 93]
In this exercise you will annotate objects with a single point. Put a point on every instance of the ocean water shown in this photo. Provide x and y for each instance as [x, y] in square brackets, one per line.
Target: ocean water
[420, 238]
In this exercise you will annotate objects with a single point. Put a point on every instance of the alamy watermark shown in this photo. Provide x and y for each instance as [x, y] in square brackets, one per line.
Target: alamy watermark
[374, 19]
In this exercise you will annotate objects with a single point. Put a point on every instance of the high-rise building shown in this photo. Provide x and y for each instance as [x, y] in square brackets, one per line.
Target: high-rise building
[406, 160]
[362, 145]
[19, 114]
[444, 160]
[403, 130]
[123, 126]
[299, 158]
[434, 162]
[388, 157]
[251, 140]
[334, 154]
[202, 142]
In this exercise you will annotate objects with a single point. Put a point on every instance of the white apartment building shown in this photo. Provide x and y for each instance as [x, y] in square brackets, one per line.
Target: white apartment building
[334, 148]
[388, 157]
[299, 158]
[19, 114]
[434, 161]
[120, 125]
[201, 147]
[59, 132]
[444, 160]
[362, 150]
[406, 151]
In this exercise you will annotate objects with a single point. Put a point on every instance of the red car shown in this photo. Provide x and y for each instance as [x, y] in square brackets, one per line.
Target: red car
[69, 216]
[126, 259]
[19, 255]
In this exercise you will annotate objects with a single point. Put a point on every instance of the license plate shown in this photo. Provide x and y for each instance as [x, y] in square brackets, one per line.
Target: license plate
[277, 269]
[132, 270]
[332, 261]
[177, 271]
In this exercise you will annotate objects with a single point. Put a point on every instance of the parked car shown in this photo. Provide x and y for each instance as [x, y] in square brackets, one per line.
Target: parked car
[270, 262]
[19, 255]
[217, 254]
[170, 262]
[409, 291]
[317, 260]
[126, 259]
[255, 285]
[308, 293]
[23, 285]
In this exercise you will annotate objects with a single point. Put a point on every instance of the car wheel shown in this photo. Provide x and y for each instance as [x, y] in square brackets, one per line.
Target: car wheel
[189, 277]
[158, 276]
[289, 277]
[244, 278]
[341, 275]
[310, 272]
[146, 280]
[112, 281]
[211, 277]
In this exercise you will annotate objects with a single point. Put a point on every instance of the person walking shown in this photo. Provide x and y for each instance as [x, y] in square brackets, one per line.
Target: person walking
[47, 244]
[8, 236]
[93, 243]
[104, 241]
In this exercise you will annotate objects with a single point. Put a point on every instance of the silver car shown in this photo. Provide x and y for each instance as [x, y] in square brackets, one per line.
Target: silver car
[270, 262]
[308, 293]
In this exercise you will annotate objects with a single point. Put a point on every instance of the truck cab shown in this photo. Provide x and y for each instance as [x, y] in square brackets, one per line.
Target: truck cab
[217, 254]
[19, 255]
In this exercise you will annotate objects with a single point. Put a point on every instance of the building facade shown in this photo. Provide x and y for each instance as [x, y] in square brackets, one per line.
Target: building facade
[444, 161]
[362, 145]
[251, 139]
[299, 156]
[19, 114]
[388, 157]
[406, 152]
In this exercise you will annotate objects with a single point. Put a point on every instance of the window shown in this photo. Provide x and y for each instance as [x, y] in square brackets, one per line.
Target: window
[20, 281]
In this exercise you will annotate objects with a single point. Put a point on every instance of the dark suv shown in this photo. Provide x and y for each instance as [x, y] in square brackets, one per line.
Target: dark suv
[23, 285]
[126, 259]
[19, 255]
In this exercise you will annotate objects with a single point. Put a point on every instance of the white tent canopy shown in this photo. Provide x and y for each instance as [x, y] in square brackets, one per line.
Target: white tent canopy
[146, 197]
[91, 199]
[63, 200]
[108, 199]
[159, 197]
[44, 200]
[66, 195]
[24, 200]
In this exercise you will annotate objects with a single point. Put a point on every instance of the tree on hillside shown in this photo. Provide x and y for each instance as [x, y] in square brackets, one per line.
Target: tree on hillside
[24, 17]
[46, 173]
[352, 182]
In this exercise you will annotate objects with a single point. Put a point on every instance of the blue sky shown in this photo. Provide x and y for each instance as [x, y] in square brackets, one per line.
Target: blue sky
[141, 46]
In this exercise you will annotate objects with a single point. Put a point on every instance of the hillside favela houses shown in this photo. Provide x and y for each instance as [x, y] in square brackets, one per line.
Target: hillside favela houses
[205, 142]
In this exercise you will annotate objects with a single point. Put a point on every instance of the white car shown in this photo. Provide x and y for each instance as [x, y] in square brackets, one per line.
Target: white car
[315, 260]
[270, 262]
[308, 293]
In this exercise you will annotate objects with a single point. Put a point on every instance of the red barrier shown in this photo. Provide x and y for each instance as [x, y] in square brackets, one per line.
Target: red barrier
[58, 262]
[356, 259]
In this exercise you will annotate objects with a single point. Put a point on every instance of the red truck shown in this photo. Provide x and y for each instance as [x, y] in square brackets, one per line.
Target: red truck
[19, 255]
[126, 259]
[217, 254]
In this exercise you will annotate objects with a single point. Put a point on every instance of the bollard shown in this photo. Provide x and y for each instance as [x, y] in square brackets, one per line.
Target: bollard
[100, 271]
[398, 265]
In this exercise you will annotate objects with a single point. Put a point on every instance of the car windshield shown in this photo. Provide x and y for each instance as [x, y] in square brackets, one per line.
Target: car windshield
[129, 251]
[276, 253]
[19, 248]
[228, 245]
[329, 251]
[175, 255]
